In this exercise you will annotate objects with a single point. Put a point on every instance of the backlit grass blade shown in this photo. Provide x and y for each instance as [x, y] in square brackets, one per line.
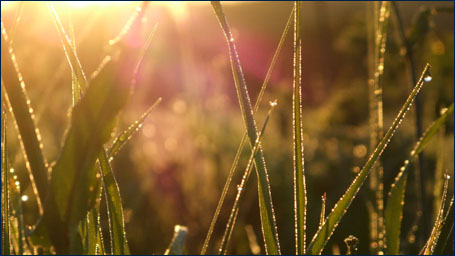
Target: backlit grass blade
[12, 32]
[178, 241]
[91, 227]
[268, 222]
[71, 55]
[5, 190]
[243, 140]
[128, 133]
[16, 220]
[395, 201]
[323, 234]
[446, 231]
[115, 44]
[23, 117]
[377, 126]
[119, 244]
[322, 217]
[241, 187]
[300, 199]
[428, 249]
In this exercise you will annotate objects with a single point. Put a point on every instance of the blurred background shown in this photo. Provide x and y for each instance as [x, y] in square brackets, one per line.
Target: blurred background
[173, 171]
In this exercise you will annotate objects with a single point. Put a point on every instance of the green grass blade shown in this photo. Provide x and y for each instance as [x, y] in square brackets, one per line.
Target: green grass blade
[73, 178]
[23, 117]
[300, 198]
[446, 230]
[323, 234]
[71, 55]
[119, 243]
[241, 187]
[243, 140]
[91, 227]
[17, 226]
[395, 201]
[268, 222]
[128, 133]
[5, 190]
[377, 126]
[322, 217]
[178, 241]
[428, 249]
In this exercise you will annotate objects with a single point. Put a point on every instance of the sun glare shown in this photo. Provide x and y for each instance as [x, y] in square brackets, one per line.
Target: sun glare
[82, 4]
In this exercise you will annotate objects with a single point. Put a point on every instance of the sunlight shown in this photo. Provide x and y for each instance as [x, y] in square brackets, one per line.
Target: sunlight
[83, 4]
[178, 9]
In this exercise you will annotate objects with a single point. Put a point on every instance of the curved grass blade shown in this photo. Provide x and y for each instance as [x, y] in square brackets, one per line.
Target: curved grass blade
[23, 117]
[128, 133]
[5, 190]
[268, 222]
[323, 234]
[241, 187]
[178, 241]
[395, 201]
[446, 230]
[300, 199]
[119, 243]
[243, 140]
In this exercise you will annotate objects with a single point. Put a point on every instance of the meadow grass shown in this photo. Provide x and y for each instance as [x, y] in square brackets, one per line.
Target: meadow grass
[69, 191]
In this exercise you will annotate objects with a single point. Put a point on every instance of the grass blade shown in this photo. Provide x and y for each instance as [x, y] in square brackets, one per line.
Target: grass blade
[428, 249]
[70, 51]
[300, 199]
[23, 117]
[5, 190]
[377, 125]
[268, 222]
[395, 201]
[178, 241]
[91, 125]
[322, 218]
[446, 230]
[241, 187]
[128, 133]
[252, 239]
[243, 140]
[119, 243]
[323, 234]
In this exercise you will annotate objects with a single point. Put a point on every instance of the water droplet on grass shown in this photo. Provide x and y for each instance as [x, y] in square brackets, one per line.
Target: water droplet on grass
[427, 78]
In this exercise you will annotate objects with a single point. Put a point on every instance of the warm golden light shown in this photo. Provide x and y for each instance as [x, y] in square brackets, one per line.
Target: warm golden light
[82, 4]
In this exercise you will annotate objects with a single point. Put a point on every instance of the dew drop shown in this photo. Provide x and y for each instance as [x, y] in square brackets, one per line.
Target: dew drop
[24, 198]
[239, 188]
[427, 78]
[446, 176]
[231, 39]
[443, 111]
[273, 103]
